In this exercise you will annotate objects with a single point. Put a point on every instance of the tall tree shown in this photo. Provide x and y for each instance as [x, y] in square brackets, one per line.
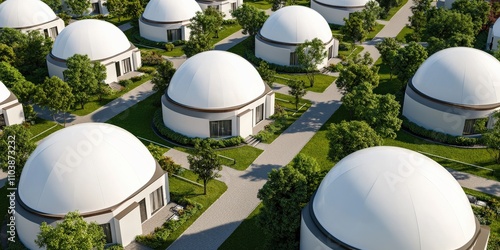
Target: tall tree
[478, 10]
[354, 28]
[80, 76]
[55, 94]
[388, 4]
[205, 163]
[7, 54]
[250, 18]
[116, 8]
[388, 49]
[491, 137]
[71, 234]
[355, 74]
[371, 13]
[134, 9]
[203, 25]
[309, 167]
[277, 4]
[408, 60]
[267, 74]
[9, 75]
[348, 137]
[418, 19]
[162, 76]
[19, 139]
[78, 7]
[297, 90]
[24, 91]
[445, 24]
[310, 54]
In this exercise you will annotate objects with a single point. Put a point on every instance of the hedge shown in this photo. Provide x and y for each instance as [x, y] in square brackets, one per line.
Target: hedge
[190, 141]
[250, 56]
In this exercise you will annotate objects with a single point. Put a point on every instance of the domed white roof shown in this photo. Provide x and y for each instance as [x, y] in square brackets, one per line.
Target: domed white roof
[25, 13]
[344, 3]
[95, 38]
[215, 80]
[460, 75]
[4, 92]
[85, 167]
[393, 198]
[289, 25]
[171, 10]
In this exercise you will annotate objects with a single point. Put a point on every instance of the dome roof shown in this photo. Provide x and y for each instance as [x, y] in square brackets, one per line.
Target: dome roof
[95, 38]
[25, 13]
[171, 10]
[288, 25]
[343, 3]
[85, 167]
[496, 28]
[460, 75]
[393, 198]
[4, 92]
[214, 80]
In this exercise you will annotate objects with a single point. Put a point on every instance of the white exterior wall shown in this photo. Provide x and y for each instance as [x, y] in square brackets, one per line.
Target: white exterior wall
[492, 42]
[158, 32]
[59, 23]
[224, 6]
[26, 230]
[13, 114]
[245, 124]
[332, 15]
[269, 105]
[308, 241]
[128, 227]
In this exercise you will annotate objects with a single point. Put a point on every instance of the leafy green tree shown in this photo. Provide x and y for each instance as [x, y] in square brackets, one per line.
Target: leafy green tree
[24, 91]
[55, 5]
[134, 9]
[80, 76]
[9, 75]
[354, 28]
[309, 167]
[7, 54]
[355, 74]
[388, 49]
[205, 163]
[116, 8]
[78, 7]
[202, 26]
[277, 4]
[55, 94]
[267, 74]
[250, 18]
[348, 137]
[371, 13]
[19, 137]
[162, 76]
[359, 100]
[310, 54]
[418, 19]
[72, 233]
[100, 75]
[297, 90]
[408, 60]
[478, 10]
[388, 4]
[491, 137]
[445, 23]
[215, 19]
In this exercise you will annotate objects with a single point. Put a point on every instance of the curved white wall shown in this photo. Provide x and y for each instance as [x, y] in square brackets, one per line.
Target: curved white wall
[333, 15]
[158, 32]
[58, 23]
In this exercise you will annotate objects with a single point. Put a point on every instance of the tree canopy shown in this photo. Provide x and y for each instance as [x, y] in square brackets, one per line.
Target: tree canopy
[54, 94]
[117, 8]
[407, 61]
[19, 137]
[446, 24]
[354, 28]
[55, 5]
[267, 74]
[478, 10]
[297, 90]
[388, 49]
[203, 26]
[78, 7]
[355, 74]
[162, 76]
[310, 54]
[250, 18]
[205, 163]
[348, 137]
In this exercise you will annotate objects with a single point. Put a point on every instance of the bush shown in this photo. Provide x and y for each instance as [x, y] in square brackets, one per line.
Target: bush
[335, 67]
[229, 22]
[114, 247]
[250, 56]
[136, 37]
[147, 69]
[179, 42]
[136, 78]
[125, 83]
[169, 46]
[151, 58]
[343, 47]
[170, 166]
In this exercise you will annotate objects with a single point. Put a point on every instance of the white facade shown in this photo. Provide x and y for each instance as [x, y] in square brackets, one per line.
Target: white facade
[224, 6]
[286, 29]
[100, 170]
[334, 11]
[97, 7]
[100, 41]
[167, 20]
[28, 15]
[493, 36]
[216, 94]
[390, 198]
[452, 89]
[11, 111]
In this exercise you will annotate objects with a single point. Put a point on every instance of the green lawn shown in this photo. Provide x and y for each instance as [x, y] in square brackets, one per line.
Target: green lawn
[394, 10]
[346, 54]
[403, 34]
[243, 46]
[321, 81]
[248, 235]
[226, 31]
[115, 21]
[43, 126]
[262, 4]
[375, 31]
[245, 156]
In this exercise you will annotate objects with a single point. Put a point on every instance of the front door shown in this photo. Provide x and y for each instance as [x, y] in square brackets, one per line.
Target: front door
[117, 66]
[142, 208]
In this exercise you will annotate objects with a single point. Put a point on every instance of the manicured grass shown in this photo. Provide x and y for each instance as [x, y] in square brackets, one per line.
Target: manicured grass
[245, 156]
[95, 103]
[262, 4]
[181, 188]
[226, 31]
[41, 125]
[321, 81]
[394, 10]
[375, 31]
[116, 22]
[248, 235]
[403, 33]
[346, 54]
[244, 46]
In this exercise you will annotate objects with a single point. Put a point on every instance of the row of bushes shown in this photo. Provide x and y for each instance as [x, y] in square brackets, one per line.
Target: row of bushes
[438, 136]
[280, 118]
[159, 237]
[190, 141]
[133, 79]
[151, 58]
[250, 56]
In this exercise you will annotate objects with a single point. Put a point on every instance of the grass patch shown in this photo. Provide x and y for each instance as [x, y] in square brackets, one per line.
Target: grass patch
[406, 31]
[347, 54]
[226, 31]
[116, 22]
[243, 46]
[394, 10]
[248, 235]
[42, 125]
[262, 4]
[94, 103]
[321, 81]
[245, 155]
[375, 31]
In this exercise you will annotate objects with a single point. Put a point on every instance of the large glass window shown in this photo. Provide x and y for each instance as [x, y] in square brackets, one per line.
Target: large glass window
[259, 113]
[156, 198]
[233, 6]
[174, 35]
[470, 126]
[294, 60]
[330, 52]
[107, 232]
[53, 32]
[142, 208]
[220, 128]
[127, 66]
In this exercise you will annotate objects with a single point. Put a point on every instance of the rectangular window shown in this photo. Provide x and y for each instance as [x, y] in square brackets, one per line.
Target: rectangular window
[156, 198]
[174, 35]
[117, 67]
[220, 128]
[2, 120]
[127, 66]
[142, 208]
[233, 6]
[46, 33]
[53, 32]
[259, 113]
[107, 232]
[469, 126]
[95, 8]
[294, 60]
[330, 52]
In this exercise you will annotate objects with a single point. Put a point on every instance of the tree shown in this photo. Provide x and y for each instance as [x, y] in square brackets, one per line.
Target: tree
[277, 4]
[19, 137]
[348, 137]
[205, 163]
[54, 94]
[309, 167]
[297, 90]
[117, 8]
[354, 28]
[202, 26]
[134, 9]
[55, 5]
[78, 7]
[371, 13]
[267, 74]
[100, 75]
[310, 54]
[408, 60]
[388, 4]
[9, 75]
[250, 18]
[491, 137]
[355, 74]
[162, 76]
[71, 234]
[81, 77]
[359, 100]
[7, 54]
[388, 49]
[418, 19]
[478, 10]
[445, 23]
[24, 91]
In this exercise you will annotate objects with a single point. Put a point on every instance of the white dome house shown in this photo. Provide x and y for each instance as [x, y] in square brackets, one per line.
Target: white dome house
[334, 11]
[216, 94]
[99, 169]
[286, 29]
[390, 198]
[11, 111]
[494, 36]
[452, 89]
[26, 15]
[100, 41]
[167, 20]
[224, 6]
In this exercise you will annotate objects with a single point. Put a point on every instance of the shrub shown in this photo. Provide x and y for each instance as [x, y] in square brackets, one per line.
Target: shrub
[179, 42]
[229, 22]
[114, 247]
[151, 58]
[125, 83]
[250, 56]
[343, 47]
[170, 166]
[147, 69]
[169, 46]
[136, 78]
